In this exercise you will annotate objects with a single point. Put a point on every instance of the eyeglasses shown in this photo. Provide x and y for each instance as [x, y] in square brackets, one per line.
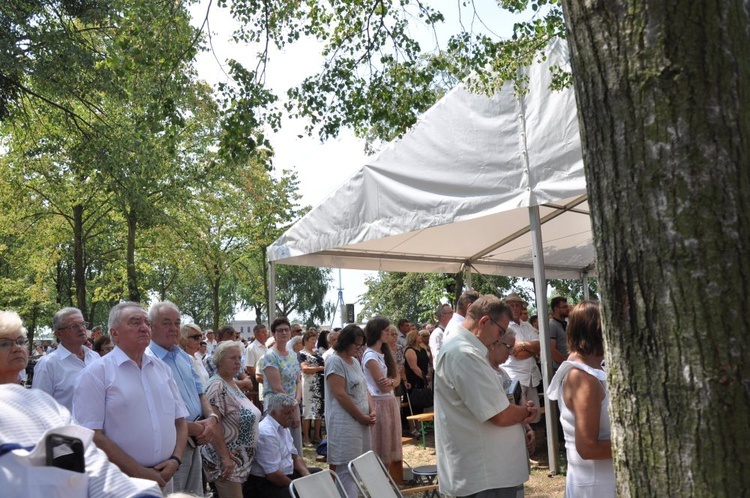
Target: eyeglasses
[498, 325]
[195, 337]
[510, 348]
[21, 342]
[75, 326]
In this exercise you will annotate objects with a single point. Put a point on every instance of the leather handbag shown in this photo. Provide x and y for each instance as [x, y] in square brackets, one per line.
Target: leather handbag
[420, 398]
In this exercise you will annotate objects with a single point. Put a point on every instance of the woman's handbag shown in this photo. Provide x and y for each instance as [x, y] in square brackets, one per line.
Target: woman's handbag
[420, 398]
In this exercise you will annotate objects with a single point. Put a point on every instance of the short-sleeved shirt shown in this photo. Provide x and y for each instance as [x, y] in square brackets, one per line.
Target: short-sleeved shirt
[254, 352]
[288, 368]
[473, 454]
[436, 340]
[525, 370]
[372, 384]
[275, 449]
[57, 373]
[557, 332]
[126, 403]
[186, 377]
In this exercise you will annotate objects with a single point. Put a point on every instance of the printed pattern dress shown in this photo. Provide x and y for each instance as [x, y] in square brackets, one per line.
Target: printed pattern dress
[312, 387]
[240, 420]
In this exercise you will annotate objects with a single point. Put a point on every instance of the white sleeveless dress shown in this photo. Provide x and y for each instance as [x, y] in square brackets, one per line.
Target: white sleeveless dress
[585, 478]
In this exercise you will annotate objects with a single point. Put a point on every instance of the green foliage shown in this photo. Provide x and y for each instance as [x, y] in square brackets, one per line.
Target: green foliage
[302, 290]
[573, 289]
[378, 76]
[416, 296]
[397, 295]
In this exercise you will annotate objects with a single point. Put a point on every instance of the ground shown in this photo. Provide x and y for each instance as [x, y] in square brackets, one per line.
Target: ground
[540, 484]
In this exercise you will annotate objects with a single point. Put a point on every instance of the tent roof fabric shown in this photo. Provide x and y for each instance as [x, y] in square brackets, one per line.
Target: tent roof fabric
[455, 190]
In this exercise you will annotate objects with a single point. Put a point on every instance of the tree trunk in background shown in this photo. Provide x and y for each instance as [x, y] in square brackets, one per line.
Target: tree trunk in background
[134, 294]
[79, 257]
[215, 285]
[663, 91]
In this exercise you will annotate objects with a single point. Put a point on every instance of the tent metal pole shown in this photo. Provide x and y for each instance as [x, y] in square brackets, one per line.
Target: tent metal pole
[271, 292]
[468, 276]
[550, 415]
[585, 279]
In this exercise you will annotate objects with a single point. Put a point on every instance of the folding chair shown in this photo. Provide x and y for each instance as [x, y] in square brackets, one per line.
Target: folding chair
[372, 477]
[323, 484]
[374, 481]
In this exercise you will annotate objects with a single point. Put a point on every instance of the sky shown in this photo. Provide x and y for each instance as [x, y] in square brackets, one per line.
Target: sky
[321, 167]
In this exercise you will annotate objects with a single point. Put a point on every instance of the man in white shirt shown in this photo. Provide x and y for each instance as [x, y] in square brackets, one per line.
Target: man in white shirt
[444, 312]
[276, 461]
[479, 436]
[57, 372]
[256, 349]
[165, 332]
[521, 364]
[462, 306]
[131, 402]
[403, 327]
[253, 353]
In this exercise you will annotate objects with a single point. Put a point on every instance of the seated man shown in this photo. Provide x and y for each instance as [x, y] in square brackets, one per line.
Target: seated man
[276, 461]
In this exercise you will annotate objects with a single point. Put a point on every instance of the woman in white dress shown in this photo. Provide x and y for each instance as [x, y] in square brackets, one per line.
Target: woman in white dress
[580, 388]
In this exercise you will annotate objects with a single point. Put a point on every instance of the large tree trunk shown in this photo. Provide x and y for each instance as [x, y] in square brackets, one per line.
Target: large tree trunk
[663, 91]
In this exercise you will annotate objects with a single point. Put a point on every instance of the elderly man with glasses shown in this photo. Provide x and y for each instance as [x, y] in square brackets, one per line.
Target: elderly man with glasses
[479, 436]
[201, 420]
[57, 372]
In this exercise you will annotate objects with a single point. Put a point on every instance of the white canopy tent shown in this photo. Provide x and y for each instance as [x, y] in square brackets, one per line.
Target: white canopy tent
[477, 184]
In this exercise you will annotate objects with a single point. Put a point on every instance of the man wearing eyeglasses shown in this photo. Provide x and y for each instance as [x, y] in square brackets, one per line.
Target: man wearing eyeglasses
[165, 334]
[479, 435]
[57, 372]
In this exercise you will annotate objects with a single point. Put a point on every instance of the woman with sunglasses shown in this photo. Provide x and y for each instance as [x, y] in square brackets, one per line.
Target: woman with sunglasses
[190, 340]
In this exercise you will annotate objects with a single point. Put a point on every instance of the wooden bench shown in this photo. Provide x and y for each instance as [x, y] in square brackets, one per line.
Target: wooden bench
[423, 419]
[419, 489]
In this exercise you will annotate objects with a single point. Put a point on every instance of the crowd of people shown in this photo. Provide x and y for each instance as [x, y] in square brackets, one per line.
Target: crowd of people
[166, 407]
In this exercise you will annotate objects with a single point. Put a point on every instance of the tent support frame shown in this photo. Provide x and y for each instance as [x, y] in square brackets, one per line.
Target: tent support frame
[550, 416]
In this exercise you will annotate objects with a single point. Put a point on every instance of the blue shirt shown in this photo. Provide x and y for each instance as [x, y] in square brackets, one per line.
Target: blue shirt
[187, 379]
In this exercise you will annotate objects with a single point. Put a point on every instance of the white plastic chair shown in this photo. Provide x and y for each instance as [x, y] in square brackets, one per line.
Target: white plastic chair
[323, 484]
[372, 478]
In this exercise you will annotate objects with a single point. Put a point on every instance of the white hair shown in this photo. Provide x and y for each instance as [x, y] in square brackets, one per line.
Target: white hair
[10, 322]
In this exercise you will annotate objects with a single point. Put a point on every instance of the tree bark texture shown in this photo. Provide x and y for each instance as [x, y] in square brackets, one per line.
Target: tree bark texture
[79, 258]
[663, 88]
[134, 293]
